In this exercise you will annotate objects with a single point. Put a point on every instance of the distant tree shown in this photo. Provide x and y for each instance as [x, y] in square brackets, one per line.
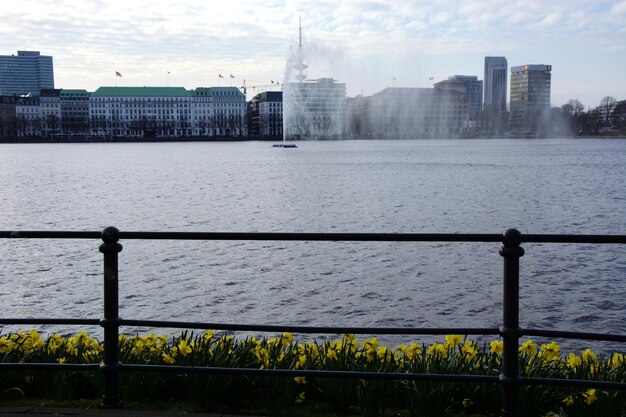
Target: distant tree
[618, 119]
[574, 107]
[607, 104]
[574, 112]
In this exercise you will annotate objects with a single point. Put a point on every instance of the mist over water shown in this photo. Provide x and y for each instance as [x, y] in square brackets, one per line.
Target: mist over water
[455, 186]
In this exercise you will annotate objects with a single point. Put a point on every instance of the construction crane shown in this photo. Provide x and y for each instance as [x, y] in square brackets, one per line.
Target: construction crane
[260, 88]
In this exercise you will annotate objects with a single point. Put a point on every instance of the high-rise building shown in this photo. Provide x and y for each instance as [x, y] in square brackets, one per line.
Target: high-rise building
[468, 85]
[530, 95]
[495, 84]
[28, 72]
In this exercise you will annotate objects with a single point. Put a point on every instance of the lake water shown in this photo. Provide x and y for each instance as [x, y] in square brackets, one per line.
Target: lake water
[572, 186]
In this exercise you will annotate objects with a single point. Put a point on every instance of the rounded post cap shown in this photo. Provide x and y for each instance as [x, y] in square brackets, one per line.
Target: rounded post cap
[111, 234]
[512, 237]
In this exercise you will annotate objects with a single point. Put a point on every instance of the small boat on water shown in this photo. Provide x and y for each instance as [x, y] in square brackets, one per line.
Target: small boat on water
[284, 145]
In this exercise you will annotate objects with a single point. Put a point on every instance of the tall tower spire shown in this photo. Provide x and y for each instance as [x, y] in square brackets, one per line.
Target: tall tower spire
[300, 65]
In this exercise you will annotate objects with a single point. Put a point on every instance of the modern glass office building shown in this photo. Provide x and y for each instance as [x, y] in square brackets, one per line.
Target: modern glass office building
[28, 72]
[530, 94]
[495, 84]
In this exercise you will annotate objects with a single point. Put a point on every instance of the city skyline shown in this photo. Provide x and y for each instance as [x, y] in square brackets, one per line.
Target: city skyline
[368, 46]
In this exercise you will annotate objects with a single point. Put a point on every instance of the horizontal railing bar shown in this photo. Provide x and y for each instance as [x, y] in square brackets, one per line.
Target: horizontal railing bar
[356, 237]
[573, 383]
[309, 329]
[53, 366]
[574, 335]
[535, 238]
[319, 329]
[310, 373]
[35, 234]
[71, 322]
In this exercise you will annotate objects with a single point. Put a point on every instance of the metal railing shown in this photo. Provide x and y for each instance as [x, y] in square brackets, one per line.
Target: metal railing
[509, 330]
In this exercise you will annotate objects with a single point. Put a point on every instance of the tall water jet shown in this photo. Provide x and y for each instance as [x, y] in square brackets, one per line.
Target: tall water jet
[312, 109]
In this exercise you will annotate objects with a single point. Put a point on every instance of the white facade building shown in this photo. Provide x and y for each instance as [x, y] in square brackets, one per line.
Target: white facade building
[148, 112]
[218, 111]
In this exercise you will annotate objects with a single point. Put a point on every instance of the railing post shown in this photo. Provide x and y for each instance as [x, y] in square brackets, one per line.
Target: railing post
[510, 331]
[111, 366]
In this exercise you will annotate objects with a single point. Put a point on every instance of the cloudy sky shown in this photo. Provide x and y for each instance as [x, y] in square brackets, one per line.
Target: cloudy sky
[365, 44]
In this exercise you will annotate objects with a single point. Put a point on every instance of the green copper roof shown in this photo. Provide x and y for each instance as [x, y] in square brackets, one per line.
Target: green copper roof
[216, 91]
[69, 92]
[141, 92]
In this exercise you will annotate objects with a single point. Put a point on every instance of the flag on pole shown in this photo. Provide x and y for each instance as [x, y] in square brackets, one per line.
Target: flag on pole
[117, 74]
[221, 76]
[232, 76]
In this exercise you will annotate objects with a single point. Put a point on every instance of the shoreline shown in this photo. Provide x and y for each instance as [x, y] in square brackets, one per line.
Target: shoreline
[100, 139]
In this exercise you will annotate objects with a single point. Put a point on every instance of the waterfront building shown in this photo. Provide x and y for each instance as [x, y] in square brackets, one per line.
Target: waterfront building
[495, 84]
[74, 111]
[28, 116]
[51, 117]
[411, 113]
[270, 105]
[8, 117]
[315, 109]
[140, 112]
[357, 116]
[218, 111]
[28, 72]
[469, 85]
[530, 95]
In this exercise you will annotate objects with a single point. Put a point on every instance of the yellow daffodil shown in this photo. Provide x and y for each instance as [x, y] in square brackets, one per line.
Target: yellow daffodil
[370, 344]
[453, 340]
[470, 350]
[299, 380]
[61, 360]
[262, 356]
[381, 352]
[569, 400]
[183, 348]
[550, 350]
[137, 348]
[528, 347]
[301, 361]
[496, 347]
[574, 361]
[588, 356]
[286, 339]
[590, 396]
[300, 398]
[437, 350]
[616, 360]
[209, 334]
[467, 403]
[167, 358]
[413, 350]
[331, 354]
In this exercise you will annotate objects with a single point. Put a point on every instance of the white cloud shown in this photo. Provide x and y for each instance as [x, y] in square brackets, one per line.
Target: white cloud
[364, 42]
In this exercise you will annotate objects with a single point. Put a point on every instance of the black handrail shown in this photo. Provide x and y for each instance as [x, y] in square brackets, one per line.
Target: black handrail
[510, 331]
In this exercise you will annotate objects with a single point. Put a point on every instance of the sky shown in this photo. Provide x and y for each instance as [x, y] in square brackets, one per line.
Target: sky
[368, 45]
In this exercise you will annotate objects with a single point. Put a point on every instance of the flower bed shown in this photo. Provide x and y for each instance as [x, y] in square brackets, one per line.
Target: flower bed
[278, 395]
